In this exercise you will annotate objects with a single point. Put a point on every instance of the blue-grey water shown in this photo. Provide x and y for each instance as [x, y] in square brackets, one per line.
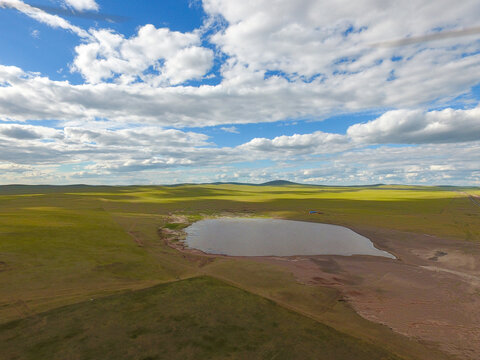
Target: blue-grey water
[264, 237]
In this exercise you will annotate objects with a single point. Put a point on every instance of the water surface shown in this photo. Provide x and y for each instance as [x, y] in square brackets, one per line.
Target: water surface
[264, 237]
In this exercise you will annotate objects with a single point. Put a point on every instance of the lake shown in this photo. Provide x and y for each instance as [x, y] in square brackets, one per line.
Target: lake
[274, 237]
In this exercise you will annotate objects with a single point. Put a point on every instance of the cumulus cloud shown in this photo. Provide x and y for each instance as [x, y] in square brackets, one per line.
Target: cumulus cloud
[315, 143]
[116, 149]
[419, 127]
[425, 164]
[152, 137]
[82, 5]
[153, 55]
[10, 74]
[31, 96]
[329, 35]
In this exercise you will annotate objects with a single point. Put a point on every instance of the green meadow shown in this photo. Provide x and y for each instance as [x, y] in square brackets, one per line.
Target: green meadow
[192, 319]
[83, 272]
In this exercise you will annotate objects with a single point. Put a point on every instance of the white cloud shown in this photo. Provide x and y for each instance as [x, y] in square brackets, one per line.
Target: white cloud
[308, 36]
[149, 137]
[315, 143]
[230, 129]
[186, 64]
[10, 74]
[31, 96]
[43, 17]
[328, 43]
[159, 56]
[82, 5]
[418, 127]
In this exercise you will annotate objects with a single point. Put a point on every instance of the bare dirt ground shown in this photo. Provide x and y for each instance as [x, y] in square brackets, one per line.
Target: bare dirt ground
[431, 292]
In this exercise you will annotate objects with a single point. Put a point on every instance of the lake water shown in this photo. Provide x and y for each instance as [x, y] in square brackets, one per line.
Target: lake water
[263, 237]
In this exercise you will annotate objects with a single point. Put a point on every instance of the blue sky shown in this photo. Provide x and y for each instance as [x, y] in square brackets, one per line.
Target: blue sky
[312, 91]
[52, 50]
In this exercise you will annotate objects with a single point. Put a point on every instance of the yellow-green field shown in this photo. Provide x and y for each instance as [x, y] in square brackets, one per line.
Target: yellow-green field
[63, 246]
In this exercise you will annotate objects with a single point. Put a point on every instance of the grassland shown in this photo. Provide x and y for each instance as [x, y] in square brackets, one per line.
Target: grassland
[192, 319]
[62, 246]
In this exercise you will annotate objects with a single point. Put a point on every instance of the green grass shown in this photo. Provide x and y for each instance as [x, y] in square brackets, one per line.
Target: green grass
[65, 245]
[175, 226]
[189, 319]
[54, 247]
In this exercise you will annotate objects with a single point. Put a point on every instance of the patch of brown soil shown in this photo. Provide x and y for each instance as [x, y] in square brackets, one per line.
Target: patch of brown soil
[176, 218]
[173, 239]
[431, 293]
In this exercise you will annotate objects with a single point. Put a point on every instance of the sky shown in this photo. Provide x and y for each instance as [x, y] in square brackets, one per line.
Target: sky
[188, 91]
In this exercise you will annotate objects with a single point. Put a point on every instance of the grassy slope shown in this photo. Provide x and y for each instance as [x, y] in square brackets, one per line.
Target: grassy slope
[189, 319]
[61, 245]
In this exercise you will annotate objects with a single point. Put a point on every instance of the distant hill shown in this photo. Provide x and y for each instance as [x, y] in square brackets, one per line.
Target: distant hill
[268, 183]
[227, 183]
[279, 183]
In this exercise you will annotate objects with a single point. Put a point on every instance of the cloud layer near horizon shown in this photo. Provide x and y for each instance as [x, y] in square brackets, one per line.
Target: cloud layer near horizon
[22, 147]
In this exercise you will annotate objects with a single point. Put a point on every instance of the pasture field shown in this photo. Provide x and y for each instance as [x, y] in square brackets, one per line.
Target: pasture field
[61, 247]
[192, 319]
